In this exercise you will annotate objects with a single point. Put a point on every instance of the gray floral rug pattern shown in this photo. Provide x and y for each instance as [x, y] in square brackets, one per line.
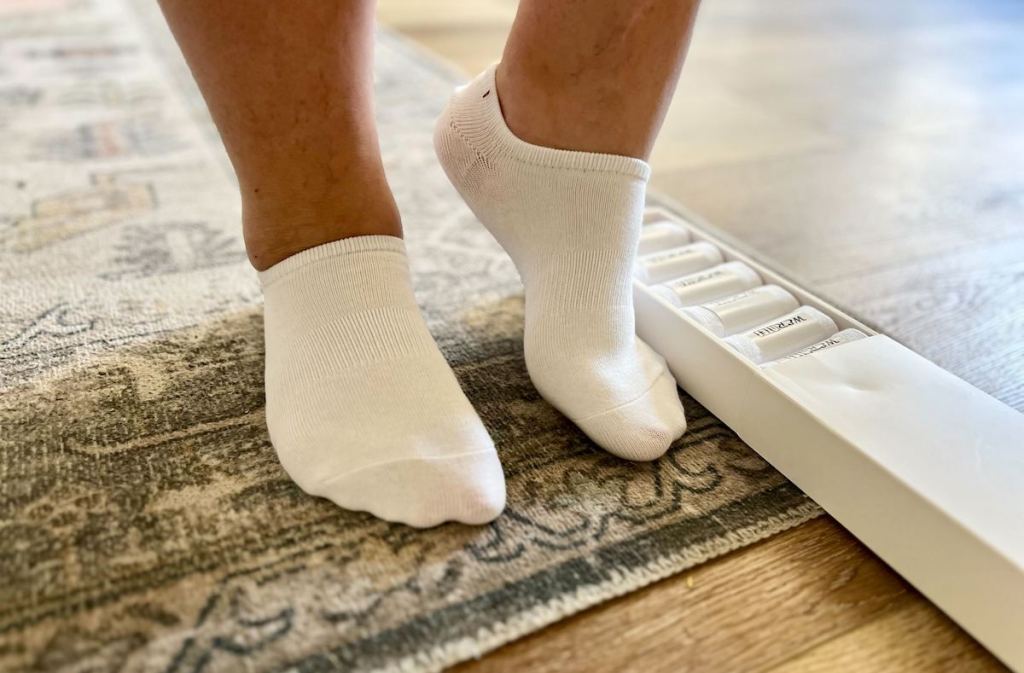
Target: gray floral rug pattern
[145, 524]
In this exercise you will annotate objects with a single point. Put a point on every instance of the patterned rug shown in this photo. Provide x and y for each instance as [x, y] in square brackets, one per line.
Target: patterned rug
[145, 522]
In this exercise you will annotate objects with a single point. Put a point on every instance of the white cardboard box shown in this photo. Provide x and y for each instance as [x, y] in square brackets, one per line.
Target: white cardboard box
[922, 467]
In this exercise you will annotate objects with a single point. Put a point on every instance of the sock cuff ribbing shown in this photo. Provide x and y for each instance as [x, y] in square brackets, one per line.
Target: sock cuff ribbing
[345, 246]
[476, 116]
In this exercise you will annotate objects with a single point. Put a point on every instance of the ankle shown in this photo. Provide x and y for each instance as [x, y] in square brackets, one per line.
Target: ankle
[273, 234]
[545, 109]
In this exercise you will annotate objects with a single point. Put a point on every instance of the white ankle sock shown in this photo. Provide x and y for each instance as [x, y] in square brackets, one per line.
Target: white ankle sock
[571, 222]
[361, 406]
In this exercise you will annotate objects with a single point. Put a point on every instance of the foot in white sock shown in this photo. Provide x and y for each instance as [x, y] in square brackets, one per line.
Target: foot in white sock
[362, 407]
[570, 221]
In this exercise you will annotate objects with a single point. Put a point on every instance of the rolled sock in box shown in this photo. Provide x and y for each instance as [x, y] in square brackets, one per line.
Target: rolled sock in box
[676, 262]
[710, 284]
[660, 236]
[785, 335]
[744, 310]
[846, 336]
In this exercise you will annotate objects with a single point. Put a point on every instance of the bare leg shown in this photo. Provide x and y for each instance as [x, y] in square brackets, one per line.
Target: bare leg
[594, 75]
[289, 85]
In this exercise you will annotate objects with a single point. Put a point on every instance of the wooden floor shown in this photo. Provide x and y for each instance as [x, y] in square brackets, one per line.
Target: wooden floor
[876, 151]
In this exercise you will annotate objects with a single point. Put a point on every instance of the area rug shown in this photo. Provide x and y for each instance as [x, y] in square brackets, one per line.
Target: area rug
[145, 522]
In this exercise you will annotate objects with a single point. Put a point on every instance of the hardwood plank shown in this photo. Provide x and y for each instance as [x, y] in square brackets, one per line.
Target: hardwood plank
[915, 638]
[904, 210]
[746, 611]
[817, 214]
[710, 124]
[960, 309]
[907, 250]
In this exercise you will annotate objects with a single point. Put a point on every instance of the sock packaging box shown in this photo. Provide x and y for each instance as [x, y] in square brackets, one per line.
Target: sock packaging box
[922, 467]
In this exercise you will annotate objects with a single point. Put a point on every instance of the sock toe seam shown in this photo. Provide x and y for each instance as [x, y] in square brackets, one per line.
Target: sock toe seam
[386, 463]
[636, 399]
